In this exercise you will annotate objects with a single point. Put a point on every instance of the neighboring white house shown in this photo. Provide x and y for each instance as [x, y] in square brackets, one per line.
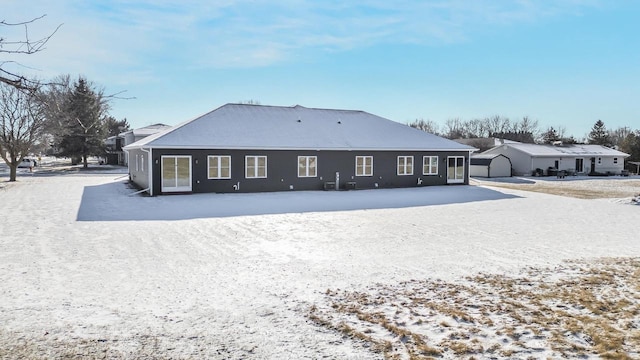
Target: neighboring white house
[576, 158]
[489, 165]
[483, 144]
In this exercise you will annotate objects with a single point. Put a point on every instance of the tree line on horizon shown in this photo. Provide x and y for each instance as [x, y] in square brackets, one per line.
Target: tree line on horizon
[70, 118]
[526, 130]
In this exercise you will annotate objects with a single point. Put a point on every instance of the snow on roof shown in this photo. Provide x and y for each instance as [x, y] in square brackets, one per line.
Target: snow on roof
[242, 126]
[147, 130]
[566, 150]
[485, 156]
[485, 141]
[483, 159]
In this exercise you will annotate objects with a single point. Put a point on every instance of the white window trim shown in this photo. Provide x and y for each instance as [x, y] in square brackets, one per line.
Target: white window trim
[404, 169]
[255, 174]
[615, 160]
[307, 158]
[364, 164]
[142, 163]
[137, 159]
[430, 157]
[218, 177]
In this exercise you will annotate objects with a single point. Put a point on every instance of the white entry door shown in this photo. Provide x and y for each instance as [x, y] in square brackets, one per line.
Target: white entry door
[176, 173]
[455, 169]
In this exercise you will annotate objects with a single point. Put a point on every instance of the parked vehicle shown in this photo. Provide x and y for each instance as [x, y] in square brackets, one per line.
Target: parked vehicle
[26, 163]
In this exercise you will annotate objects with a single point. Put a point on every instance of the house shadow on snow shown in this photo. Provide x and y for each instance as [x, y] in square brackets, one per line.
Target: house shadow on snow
[111, 202]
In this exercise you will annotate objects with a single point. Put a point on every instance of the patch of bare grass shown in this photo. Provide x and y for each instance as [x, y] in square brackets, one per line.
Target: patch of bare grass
[617, 188]
[574, 310]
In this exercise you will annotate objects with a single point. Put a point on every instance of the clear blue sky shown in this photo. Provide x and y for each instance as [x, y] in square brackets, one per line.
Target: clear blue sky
[565, 63]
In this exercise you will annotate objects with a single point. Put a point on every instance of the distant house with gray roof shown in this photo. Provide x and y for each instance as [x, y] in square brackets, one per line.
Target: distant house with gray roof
[252, 148]
[131, 136]
[114, 144]
[573, 158]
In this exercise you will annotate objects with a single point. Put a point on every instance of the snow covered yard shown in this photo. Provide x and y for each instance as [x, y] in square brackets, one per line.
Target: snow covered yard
[86, 270]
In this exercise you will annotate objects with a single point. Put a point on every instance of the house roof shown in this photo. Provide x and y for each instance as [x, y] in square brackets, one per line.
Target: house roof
[540, 150]
[146, 131]
[243, 126]
[483, 159]
[491, 142]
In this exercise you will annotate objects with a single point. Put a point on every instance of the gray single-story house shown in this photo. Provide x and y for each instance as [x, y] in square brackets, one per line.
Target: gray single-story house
[489, 165]
[573, 158]
[252, 148]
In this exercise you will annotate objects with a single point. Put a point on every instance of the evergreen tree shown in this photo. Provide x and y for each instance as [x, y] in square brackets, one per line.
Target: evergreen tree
[115, 127]
[83, 130]
[631, 145]
[599, 134]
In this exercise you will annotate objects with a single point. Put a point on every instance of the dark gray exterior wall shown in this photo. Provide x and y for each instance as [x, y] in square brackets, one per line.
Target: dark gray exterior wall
[282, 170]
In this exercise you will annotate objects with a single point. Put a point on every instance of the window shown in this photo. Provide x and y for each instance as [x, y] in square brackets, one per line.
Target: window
[307, 166]
[176, 173]
[219, 167]
[430, 165]
[137, 165]
[255, 167]
[599, 160]
[405, 165]
[615, 160]
[142, 163]
[364, 165]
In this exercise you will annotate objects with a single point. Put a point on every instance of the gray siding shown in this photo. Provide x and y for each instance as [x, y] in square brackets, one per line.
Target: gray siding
[520, 161]
[139, 167]
[500, 167]
[282, 170]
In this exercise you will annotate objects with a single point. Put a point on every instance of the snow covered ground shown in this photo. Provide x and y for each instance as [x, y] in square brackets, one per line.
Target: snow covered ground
[87, 270]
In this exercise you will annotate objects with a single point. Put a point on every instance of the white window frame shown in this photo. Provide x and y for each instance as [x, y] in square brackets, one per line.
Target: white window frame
[176, 188]
[306, 166]
[427, 165]
[256, 167]
[142, 162]
[137, 159]
[219, 168]
[402, 170]
[364, 158]
[615, 160]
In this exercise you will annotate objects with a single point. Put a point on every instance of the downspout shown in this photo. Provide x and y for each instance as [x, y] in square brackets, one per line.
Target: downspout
[469, 168]
[149, 170]
[129, 164]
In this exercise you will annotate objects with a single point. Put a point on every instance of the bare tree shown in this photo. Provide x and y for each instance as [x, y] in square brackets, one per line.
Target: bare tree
[22, 46]
[618, 135]
[526, 125]
[425, 125]
[454, 128]
[498, 124]
[249, 102]
[21, 124]
[475, 128]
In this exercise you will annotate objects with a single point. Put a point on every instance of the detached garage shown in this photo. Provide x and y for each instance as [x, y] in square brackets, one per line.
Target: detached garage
[490, 165]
